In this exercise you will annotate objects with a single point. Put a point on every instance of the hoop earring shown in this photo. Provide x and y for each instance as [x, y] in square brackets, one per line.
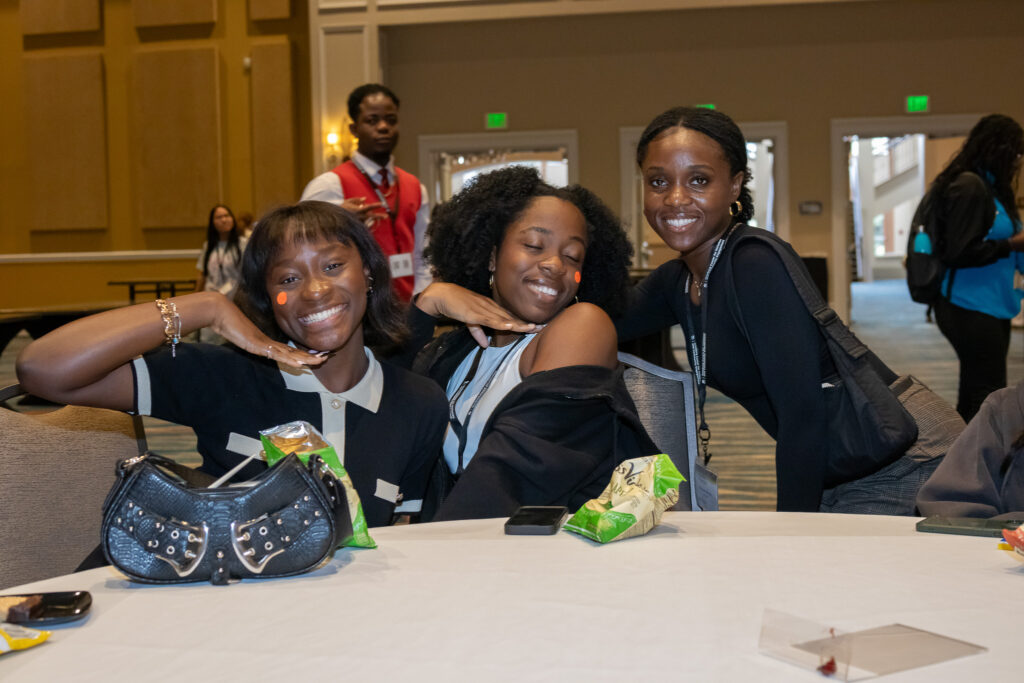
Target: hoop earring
[736, 208]
[577, 297]
[490, 281]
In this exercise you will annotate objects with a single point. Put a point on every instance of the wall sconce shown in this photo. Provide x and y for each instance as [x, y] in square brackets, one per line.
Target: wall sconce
[333, 138]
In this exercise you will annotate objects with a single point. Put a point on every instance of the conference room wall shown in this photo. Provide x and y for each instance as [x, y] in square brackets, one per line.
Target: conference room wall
[803, 65]
[124, 121]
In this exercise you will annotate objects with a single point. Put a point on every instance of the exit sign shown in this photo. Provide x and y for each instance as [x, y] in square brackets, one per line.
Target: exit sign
[495, 120]
[705, 106]
[917, 104]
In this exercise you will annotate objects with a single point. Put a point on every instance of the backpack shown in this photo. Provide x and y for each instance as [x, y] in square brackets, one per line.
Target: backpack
[925, 268]
[868, 425]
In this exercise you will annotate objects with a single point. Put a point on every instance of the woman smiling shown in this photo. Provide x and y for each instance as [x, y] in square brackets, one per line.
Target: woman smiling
[315, 292]
[538, 414]
[749, 332]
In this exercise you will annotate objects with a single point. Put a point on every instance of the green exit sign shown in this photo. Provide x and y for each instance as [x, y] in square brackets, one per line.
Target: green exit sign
[495, 120]
[917, 104]
[705, 106]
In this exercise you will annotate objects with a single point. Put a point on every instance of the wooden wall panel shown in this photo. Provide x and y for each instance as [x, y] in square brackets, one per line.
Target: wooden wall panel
[66, 125]
[174, 12]
[260, 10]
[176, 145]
[273, 125]
[59, 16]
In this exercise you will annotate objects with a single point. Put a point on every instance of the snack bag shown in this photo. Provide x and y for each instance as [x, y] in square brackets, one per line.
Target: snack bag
[14, 637]
[641, 490]
[303, 439]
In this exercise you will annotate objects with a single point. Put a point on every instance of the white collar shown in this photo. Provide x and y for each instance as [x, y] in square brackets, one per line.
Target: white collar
[371, 167]
[366, 393]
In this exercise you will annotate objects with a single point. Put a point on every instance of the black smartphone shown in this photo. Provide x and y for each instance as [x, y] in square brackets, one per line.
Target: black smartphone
[536, 520]
[967, 526]
[41, 609]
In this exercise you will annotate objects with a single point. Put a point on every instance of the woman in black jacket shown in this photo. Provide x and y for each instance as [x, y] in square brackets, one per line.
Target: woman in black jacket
[538, 412]
[979, 232]
[750, 334]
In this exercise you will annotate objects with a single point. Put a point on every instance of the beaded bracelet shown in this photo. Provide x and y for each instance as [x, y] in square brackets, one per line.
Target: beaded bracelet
[172, 323]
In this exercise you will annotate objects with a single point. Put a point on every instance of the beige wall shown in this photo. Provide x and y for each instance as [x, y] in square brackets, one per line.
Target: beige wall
[124, 121]
[802, 64]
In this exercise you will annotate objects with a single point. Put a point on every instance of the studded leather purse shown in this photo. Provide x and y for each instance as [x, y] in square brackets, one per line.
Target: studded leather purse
[158, 529]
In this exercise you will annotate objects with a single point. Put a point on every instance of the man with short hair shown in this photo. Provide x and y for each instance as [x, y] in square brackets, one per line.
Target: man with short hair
[392, 202]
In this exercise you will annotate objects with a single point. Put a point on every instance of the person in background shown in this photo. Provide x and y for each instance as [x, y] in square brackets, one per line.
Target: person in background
[392, 202]
[538, 411]
[220, 260]
[980, 241]
[982, 475]
[314, 294]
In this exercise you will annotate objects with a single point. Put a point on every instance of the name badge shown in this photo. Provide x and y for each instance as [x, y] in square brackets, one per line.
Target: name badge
[706, 487]
[401, 265]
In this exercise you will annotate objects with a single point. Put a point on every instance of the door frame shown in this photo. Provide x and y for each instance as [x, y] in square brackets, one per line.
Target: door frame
[873, 127]
[471, 142]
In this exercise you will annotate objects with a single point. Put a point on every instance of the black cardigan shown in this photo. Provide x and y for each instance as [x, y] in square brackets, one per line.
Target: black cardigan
[553, 440]
[775, 374]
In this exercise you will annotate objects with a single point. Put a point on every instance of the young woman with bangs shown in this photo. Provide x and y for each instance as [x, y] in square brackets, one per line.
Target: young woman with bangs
[315, 293]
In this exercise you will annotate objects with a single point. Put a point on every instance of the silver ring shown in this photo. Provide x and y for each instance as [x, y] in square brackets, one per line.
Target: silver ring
[269, 349]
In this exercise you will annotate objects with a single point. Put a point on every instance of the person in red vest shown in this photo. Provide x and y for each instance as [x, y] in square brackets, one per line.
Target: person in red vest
[392, 202]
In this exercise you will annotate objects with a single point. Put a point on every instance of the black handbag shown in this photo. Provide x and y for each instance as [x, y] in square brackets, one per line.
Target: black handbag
[868, 425]
[158, 529]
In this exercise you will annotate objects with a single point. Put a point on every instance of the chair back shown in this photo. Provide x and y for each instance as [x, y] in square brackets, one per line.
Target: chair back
[55, 471]
[665, 404]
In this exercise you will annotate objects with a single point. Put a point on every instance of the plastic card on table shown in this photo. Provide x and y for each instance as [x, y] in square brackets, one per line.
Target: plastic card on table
[859, 655]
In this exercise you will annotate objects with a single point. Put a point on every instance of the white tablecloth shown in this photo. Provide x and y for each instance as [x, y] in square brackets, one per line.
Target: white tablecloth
[463, 602]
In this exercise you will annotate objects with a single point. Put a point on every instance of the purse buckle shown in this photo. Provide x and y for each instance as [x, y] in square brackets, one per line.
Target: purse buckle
[248, 539]
[195, 538]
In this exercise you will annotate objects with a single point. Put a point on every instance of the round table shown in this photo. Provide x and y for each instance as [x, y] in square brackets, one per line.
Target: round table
[461, 601]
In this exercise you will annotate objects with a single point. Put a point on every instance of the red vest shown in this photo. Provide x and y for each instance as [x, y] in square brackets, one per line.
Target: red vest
[397, 237]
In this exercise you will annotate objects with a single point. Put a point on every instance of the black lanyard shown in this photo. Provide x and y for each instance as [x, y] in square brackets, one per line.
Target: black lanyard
[698, 353]
[461, 430]
[392, 213]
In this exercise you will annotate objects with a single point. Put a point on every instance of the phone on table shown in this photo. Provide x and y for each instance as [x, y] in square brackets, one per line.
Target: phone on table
[968, 526]
[536, 520]
[43, 609]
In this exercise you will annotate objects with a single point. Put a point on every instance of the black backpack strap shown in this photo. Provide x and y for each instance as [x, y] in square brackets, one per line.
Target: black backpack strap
[828, 320]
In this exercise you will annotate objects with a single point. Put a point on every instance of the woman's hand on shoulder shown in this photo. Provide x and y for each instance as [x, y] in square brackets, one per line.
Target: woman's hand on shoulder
[443, 299]
[582, 334]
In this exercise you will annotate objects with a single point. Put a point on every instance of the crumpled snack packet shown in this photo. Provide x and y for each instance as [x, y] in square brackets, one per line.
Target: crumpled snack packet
[14, 637]
[304, 440]
[1015, 538]
[641, 490]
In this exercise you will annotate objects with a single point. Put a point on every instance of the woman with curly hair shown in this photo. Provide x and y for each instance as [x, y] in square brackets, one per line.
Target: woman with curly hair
[315, 292]
[538, 412]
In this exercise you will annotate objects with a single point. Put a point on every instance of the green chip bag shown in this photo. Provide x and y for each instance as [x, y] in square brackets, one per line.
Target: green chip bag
[640, 491]
[303, 439]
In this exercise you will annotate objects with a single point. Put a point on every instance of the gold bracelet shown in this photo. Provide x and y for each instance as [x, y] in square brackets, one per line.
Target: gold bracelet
[172, 323]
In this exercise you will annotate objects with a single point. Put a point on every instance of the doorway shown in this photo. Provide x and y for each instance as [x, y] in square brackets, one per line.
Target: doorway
[449, 162]
[876, 250]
